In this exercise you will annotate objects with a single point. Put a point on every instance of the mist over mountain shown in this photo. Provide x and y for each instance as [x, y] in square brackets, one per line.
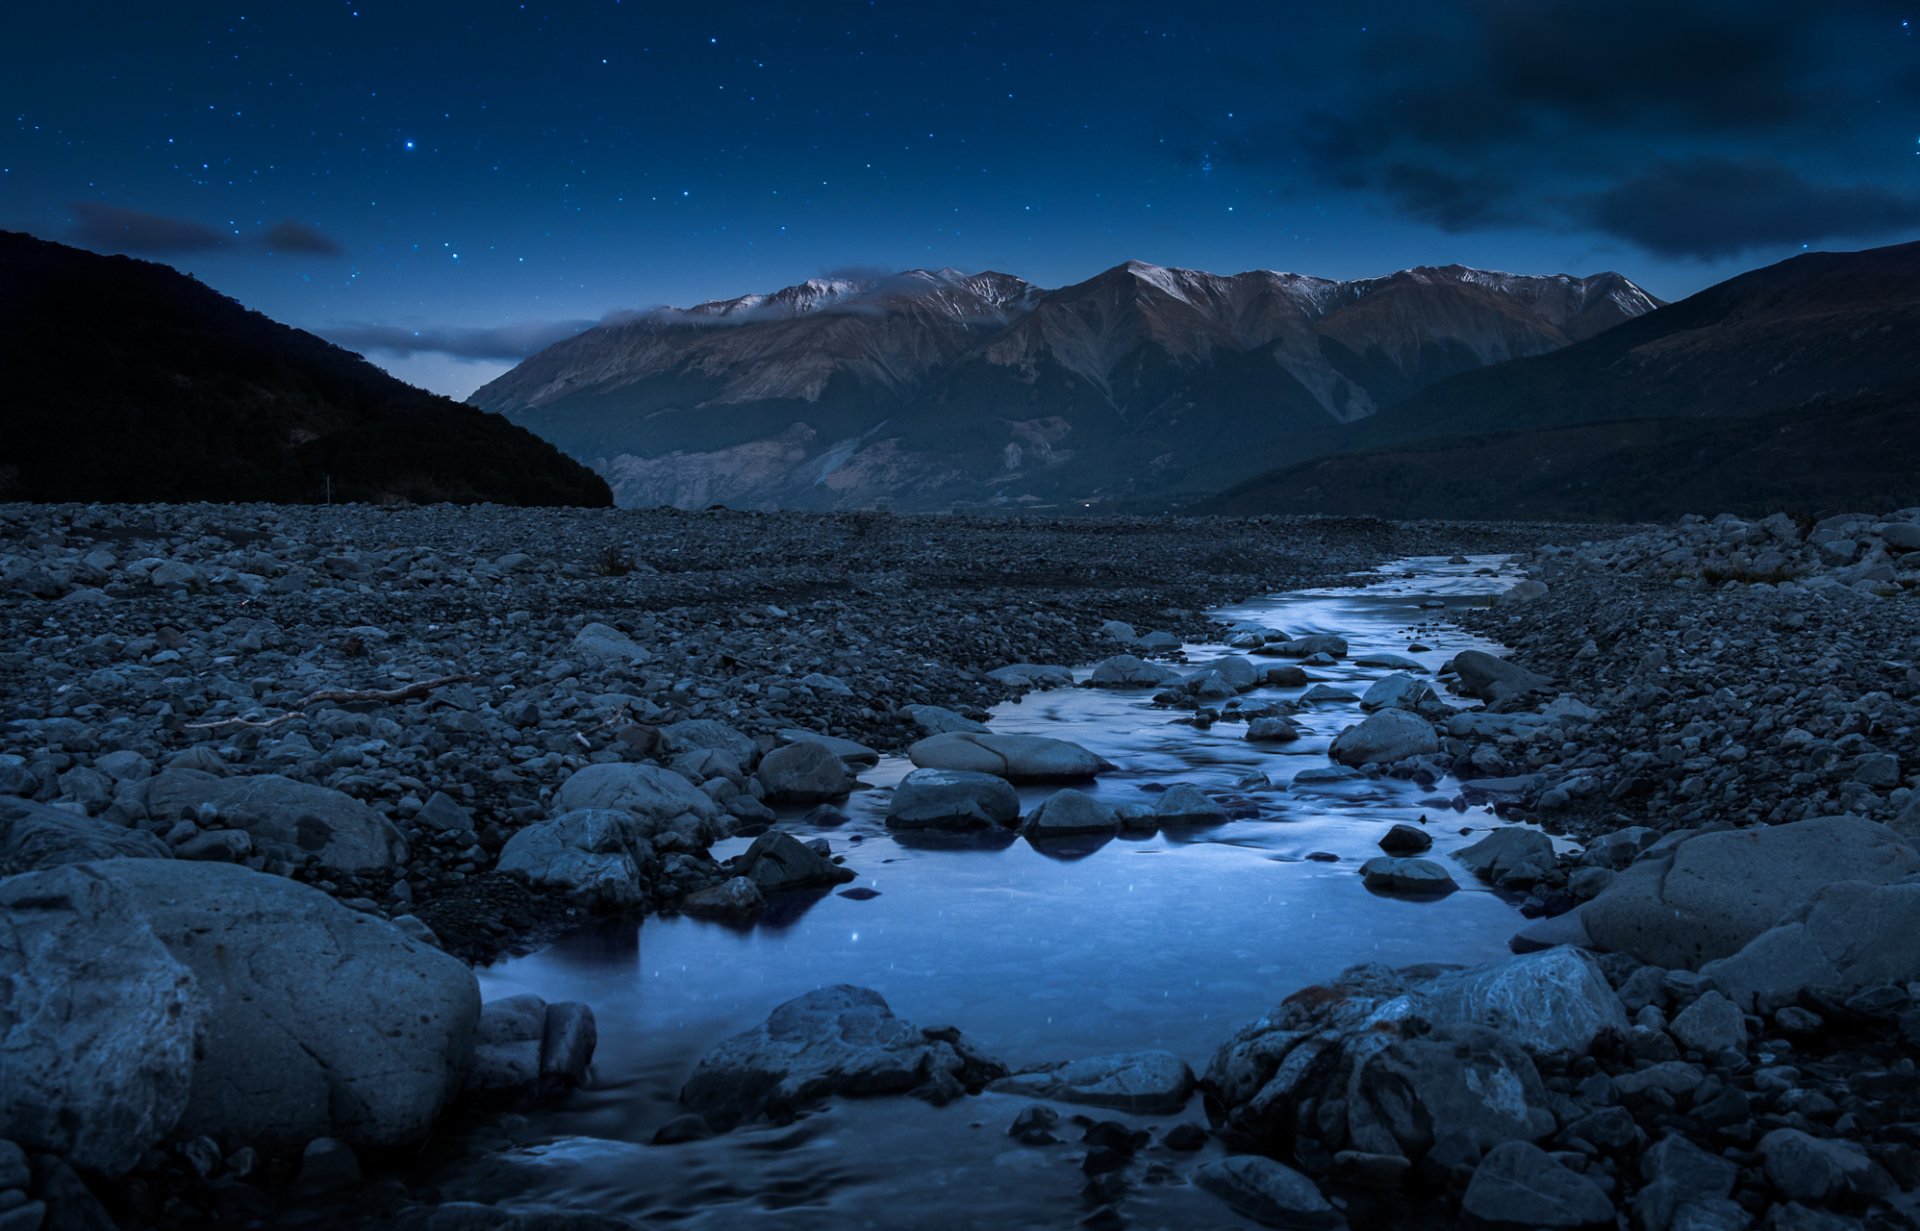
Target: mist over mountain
[129, 381]
[1138, 387]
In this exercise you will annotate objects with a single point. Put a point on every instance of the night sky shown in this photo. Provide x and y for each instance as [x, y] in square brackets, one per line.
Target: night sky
[450, 186]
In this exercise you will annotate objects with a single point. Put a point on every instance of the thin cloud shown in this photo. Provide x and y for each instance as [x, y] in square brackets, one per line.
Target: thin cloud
[101, 225]
[514, 341]
[292, 236]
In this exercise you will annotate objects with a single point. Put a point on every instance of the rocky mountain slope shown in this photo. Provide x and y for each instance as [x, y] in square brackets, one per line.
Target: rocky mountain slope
[931, 388]
[1796, 385]
[129, 381]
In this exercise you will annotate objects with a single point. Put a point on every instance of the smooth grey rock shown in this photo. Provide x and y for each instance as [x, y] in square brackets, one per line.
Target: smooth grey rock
[657, 797]
[1553, 1002]
[35, 836]
[1849, 935]
[854, 755]
[1272, 729]
[1396, 691]
[804, 773]
[734, 898]
[1495, 679]
[1475, 1086]
[596, 856]
[934, 720]
[1710, 1024]
[443, 814]
[1710, 894]
[1405, 875]
[369, 1053]
[1269, 1192]
[1017, 758]
[287, 819]
[1144, 1082]
[1522, 1187]
[1128, 671]
[1069, 812]
[1307, 646]
[1513, 855]
[841, 1040]
[778, 861]
[696, 734]
[604, 643]
[1384, 737]
[1186, 804]
[1405, 839]
[1807, 1168]
[952, 799]
[1033, 675]
[98, 1022]
[1327, 694]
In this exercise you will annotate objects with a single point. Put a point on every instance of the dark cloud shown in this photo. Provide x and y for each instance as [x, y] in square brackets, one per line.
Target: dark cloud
[114, 227]
[515, 341]
[1709, 207]
[291, 236]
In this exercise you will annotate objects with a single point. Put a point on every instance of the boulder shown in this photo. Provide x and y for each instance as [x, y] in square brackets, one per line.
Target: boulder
[1272, 729]
[658, 798]
[1129, 671]
[1017, 758]
[735, 898]
[1710, 1024]
[1520, 1187]
[1383, 738]
[288, 820]
[952, 799]
[1186, 804]
[36, 836]
[1398, 691]
[98, 1022]
[1495, 679]
[1067, 813]
[1511, 857]
[1705, 896]
[1406, 840]
[1268, 1192]
[839, 1040]
[804, 773]
[934, 720]
[1475, 1089]
[1554, 1002]
[1032, 675]
[1308, 646]
[697, 734]
[1802, 1167]
[1850, 935]
[596, 856]
[321, 1021]
[1143, 1082]
[854, 755]
[1393, 874]
[777, 861]
[604, 643]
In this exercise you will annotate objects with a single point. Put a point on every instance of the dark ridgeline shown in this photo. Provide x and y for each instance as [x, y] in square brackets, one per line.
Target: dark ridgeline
[126, 380]
[1796, 386]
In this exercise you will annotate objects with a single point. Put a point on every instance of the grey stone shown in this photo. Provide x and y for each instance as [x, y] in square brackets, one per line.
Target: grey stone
[1405, 839]
[1268, 1192]
[697, 734]
[1186, 804]
[659, 798]
[1033, 675]
[1128, 671]
[1553, 1002]
[734, 898]
[604, 643]
[804, 773]
[1404, 875]
[286, 819]
[1069, 812]
[839, 1040]
[1710, 1024]
[99, 1022]
[934, 720]
[1807, 1168]
[1520, 1186]
[1396, 691]
[1144, 1082]
[778, 861]
[1510, 856]
[1017, 758]
[596, 856]
[1475, 1087]
[36, 836]
[1272, 729]
[1849, 935]
[952, 799]
[1384, 737]
[853, 754]
[1495, 679]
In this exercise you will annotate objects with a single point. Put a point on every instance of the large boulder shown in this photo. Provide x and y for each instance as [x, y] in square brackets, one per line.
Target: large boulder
[36, 836]
[658, 798]
[1398, 691]
[1144, 1082]
[1186, 804]
[1475, 1087]
[804, 773]
[777, 860]
[98, 1022]
[288, 820]
[952, 799]
[1017, 758]
[1707, 895]
[1520, 1187]
[1510, 857]
[1495, 679]
[840, 1040]
[1069, 813]
[707, 735]
[1383, 738]
[596, 856]
[1849, 935]
[1553, 1002]
[321, 1021]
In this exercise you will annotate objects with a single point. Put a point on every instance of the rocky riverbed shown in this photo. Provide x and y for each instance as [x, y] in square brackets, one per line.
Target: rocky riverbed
[245, 745]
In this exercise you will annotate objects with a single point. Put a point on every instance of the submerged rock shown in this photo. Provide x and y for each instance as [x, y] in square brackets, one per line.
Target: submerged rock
[1269, 1192]
[1145, 1082]
[1017, 758]
[1070, 812]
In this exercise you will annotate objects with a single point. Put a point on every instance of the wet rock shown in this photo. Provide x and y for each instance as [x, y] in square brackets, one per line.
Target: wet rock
[1521, 1187]
[658, 798]
[1272, 729]
[1067, 813]
[328, 1170]
[853, 754]
[1475, 1088]
[935, 720]
[100, 1022]
[596, 856]
[804, 773]
[1397, 691]
[1145, 1082]
[287, 819]
[706, 734]
[1017, 758]
[736, 898]
[36, 836]
[1405, 839]
[1307, 646]
[839, 1040]
[1401, 875]
[1383, 738]
[1511, 857]
[1806, 1168]
[1268, 1192]
[952, 799]
[1034, 1125]
[1850, 935]
[1186, 804]
[1127, 671]
[779, 861]
[1554, 1002]
[1033, 675]
[1495, 679]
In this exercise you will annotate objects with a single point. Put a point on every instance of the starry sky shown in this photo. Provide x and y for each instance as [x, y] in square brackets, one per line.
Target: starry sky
[450, 186]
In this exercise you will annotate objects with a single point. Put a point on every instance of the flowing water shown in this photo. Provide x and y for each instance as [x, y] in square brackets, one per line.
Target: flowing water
[1170, 941]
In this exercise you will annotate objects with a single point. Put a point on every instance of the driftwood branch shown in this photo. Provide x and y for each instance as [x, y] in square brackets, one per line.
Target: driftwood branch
[408, 692]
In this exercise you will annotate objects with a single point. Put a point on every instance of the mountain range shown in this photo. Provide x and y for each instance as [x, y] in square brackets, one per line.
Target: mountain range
[129, 381]
[1139, 388]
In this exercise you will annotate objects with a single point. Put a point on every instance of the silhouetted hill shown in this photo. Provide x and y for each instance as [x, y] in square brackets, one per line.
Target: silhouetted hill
[1793, 385]
[126, 380]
